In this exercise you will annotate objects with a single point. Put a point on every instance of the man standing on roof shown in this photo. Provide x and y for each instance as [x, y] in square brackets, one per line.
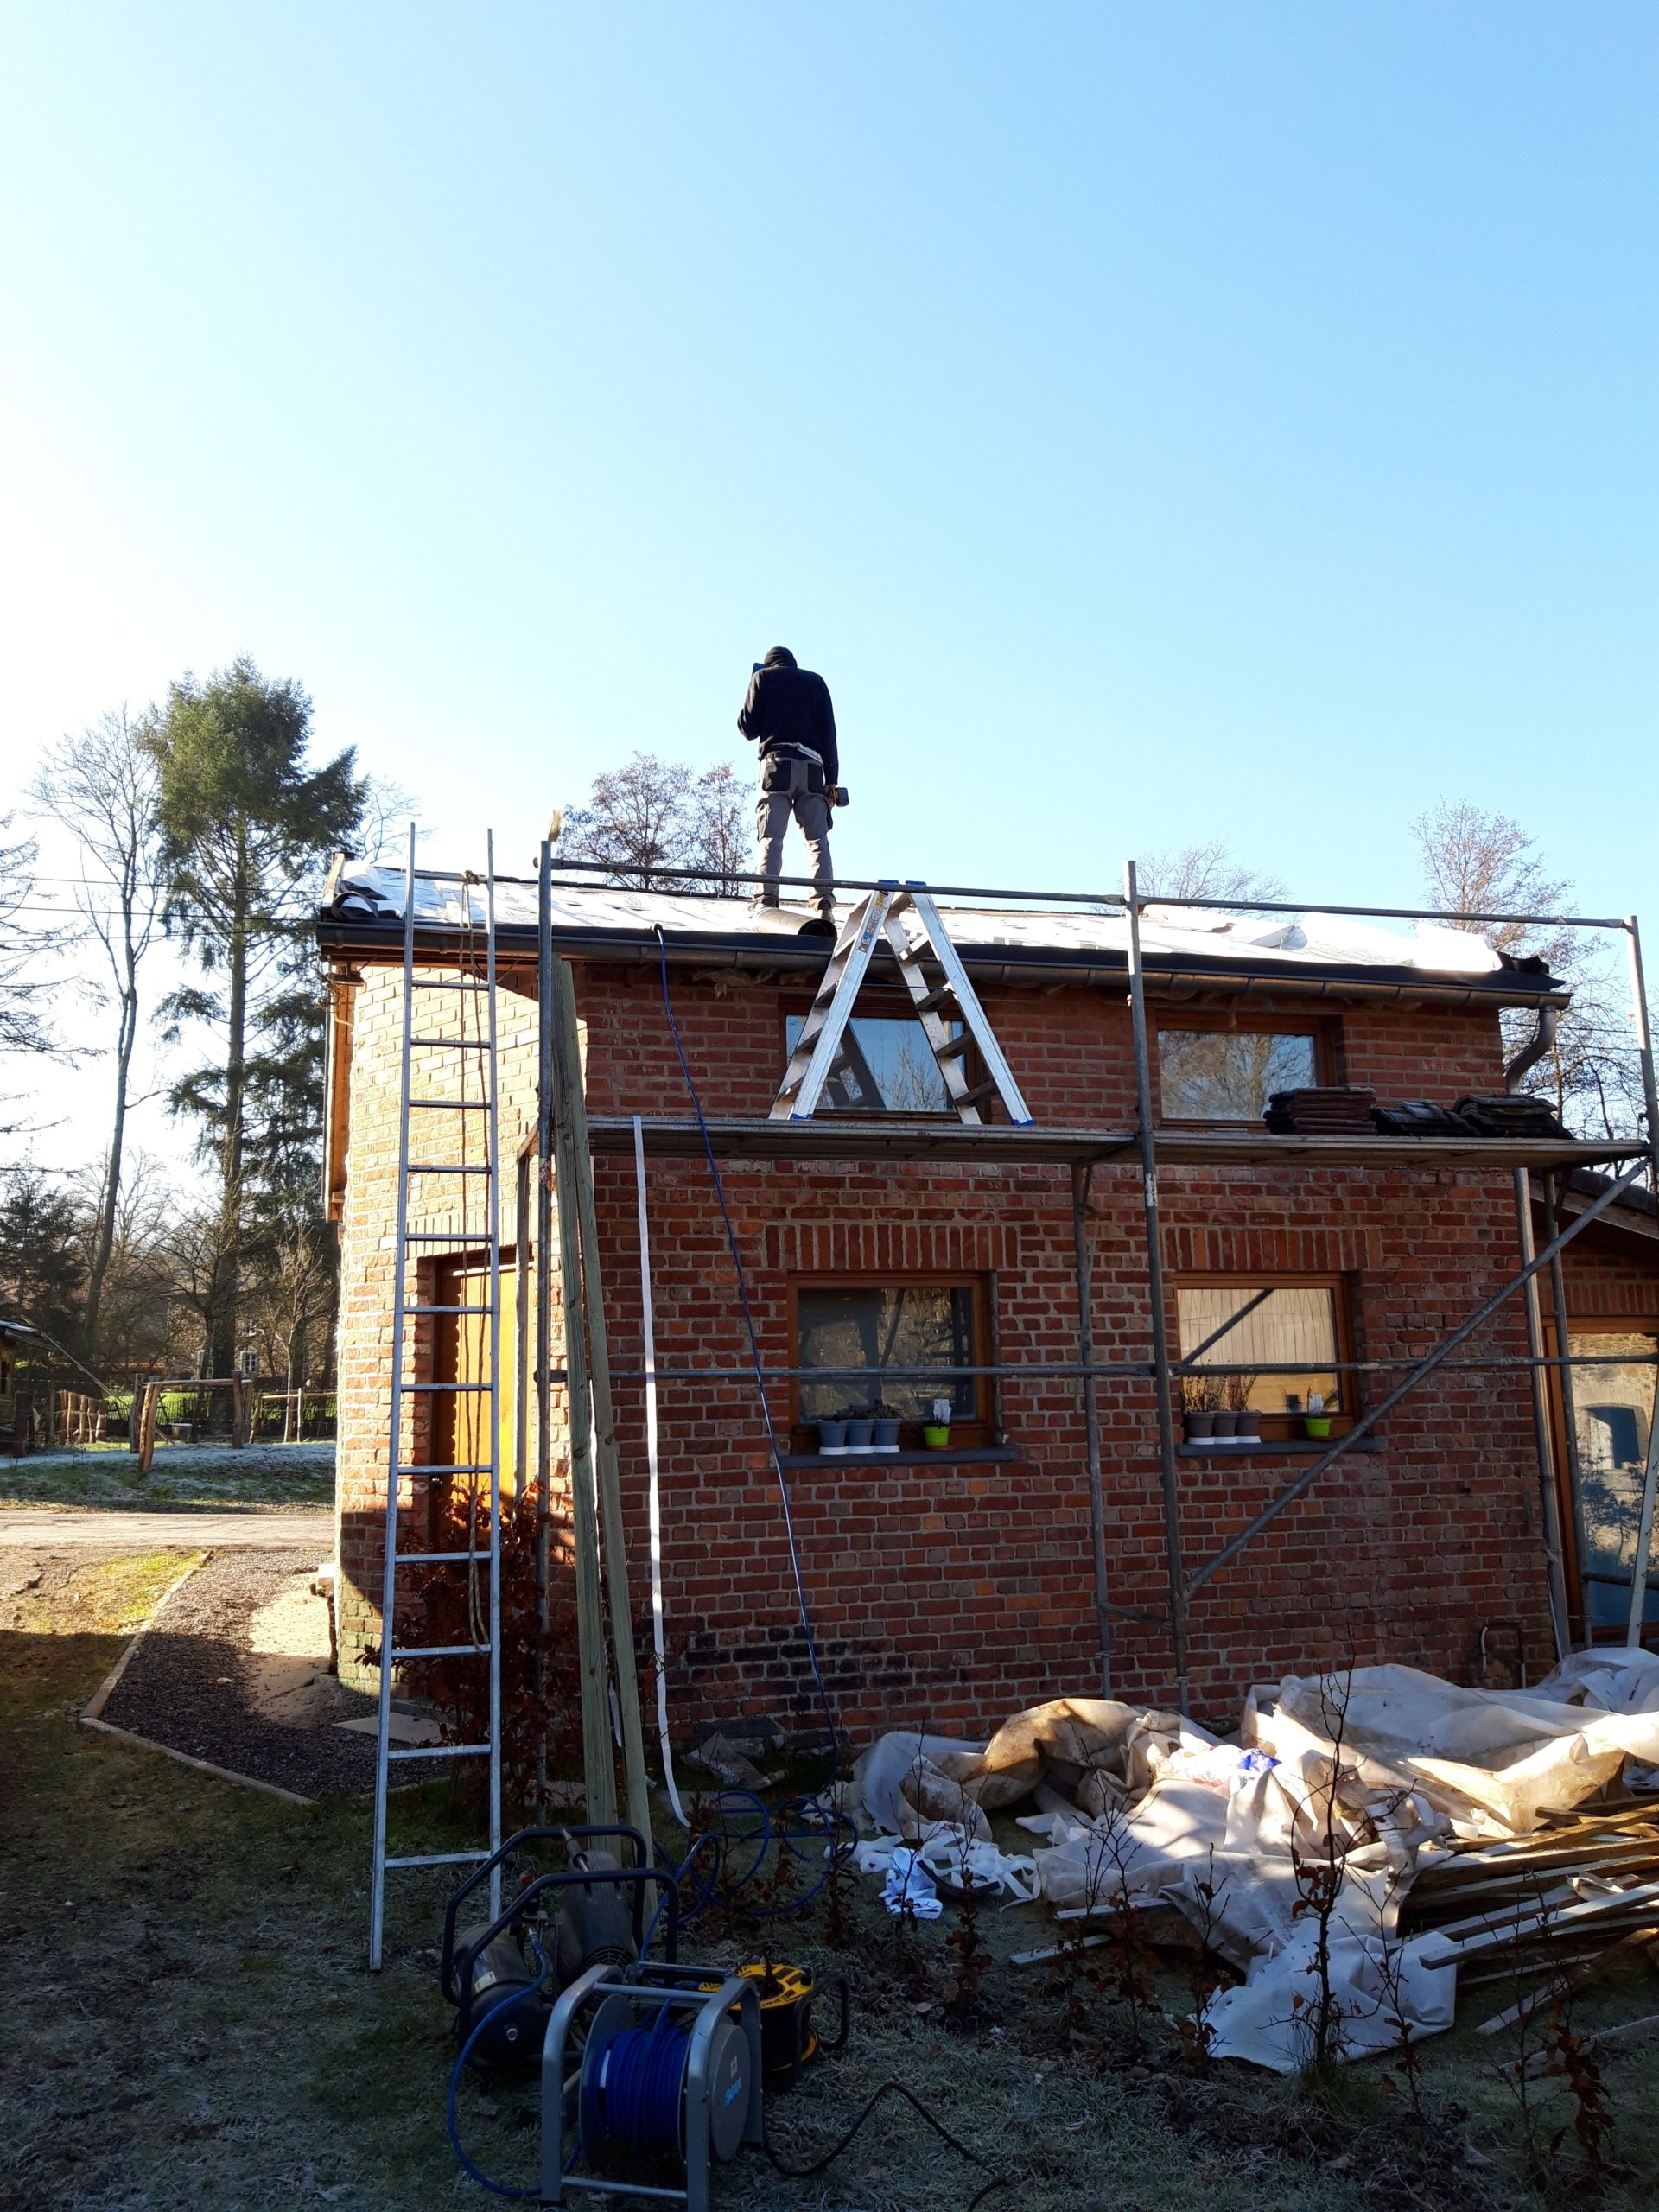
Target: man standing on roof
[788, 714]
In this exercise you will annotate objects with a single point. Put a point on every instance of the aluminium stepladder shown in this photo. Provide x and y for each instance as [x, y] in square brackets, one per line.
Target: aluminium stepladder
[481, 1569]
[825, 1044]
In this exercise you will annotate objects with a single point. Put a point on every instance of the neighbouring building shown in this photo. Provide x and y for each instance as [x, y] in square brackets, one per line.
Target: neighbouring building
[949, 1587]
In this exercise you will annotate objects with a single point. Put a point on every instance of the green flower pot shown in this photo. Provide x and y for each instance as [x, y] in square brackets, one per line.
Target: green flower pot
[936, 1439]
[1317, 1424]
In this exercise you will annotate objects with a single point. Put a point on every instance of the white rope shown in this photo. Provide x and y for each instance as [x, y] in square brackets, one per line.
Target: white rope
[657, 1622]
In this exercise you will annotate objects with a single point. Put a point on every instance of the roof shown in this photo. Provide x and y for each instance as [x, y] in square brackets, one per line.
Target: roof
[1314, 950]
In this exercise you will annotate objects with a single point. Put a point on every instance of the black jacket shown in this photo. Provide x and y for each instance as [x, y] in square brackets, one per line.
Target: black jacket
[790, 706]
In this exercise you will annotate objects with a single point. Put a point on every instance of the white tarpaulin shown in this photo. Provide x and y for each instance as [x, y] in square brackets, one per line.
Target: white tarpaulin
[1344, 1777]
[1506, 1755]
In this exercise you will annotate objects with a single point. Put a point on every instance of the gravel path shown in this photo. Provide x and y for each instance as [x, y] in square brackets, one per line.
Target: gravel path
[186, 1527]
[192, 1680]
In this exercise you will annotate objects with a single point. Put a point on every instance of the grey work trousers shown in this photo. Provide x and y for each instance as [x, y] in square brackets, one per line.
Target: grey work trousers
[773, 810]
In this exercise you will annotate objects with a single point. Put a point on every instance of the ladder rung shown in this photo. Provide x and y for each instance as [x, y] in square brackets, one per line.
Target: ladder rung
[469, 1237]
[448, 1309]
[434, 1559]
[439, 1858]
[443, 983]
[441, 1651]
[944, 996]
[442, 1752]
[480, 1468]
[470, 1388]
[455, 1044]
[443, 1168]
[954, 1047]
[448, 1105]
[977, 1096]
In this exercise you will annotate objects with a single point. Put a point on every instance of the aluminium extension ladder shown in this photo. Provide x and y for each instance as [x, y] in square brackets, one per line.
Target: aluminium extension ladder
[826, 1045]
[464, 990]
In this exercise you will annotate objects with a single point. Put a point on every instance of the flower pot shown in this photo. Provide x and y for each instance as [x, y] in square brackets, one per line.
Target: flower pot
[832, 1436]
[1226, 1428]
[1317, 1424]
[1249, 1428]
[1196, 1428]
[886, 1438]
[935, 1436]
[860, 1435]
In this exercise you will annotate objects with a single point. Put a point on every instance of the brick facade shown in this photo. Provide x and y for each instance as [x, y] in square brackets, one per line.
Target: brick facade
[951, 1593]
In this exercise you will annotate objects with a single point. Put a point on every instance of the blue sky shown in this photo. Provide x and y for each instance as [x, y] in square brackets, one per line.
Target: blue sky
[1157, 423]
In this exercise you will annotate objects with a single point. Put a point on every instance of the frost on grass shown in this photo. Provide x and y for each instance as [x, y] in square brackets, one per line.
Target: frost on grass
[194, 1474]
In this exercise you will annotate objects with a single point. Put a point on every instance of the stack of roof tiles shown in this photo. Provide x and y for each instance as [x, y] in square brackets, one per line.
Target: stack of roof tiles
[1320, 1113]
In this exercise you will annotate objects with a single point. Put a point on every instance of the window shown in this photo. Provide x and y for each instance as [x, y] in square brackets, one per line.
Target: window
[1612, 1406]
[1297, 1325]
[1229, 1075]
[867, 1327]
[887, 1066]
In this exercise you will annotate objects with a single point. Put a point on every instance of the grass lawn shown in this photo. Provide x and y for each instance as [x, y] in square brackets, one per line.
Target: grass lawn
[183, 1474]
[191, 2024]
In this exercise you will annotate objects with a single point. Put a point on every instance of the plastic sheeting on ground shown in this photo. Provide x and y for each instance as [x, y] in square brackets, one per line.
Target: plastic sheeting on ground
[1494, 1760]
[1380, 1995]
[1359, 1773]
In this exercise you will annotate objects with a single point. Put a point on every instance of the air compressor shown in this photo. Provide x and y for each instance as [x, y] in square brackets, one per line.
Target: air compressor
[589, 1913]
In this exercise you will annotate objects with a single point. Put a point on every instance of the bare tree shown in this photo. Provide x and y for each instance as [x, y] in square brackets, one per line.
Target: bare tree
[1476, 862]
[722, 824]
[24, 946]
[1208, 871]
[101, 787]
[652, 815]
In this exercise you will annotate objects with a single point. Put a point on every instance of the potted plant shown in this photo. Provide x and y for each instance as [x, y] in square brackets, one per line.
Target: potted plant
[935, 1434]
[886, 1422]
[1247, 1422]
[832, 1435]
[1200, 1399]
[860, 1429]
[1317, 1417]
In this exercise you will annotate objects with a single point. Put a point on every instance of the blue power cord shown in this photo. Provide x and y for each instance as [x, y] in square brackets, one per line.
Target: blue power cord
[477, 2173]
[754, 1357]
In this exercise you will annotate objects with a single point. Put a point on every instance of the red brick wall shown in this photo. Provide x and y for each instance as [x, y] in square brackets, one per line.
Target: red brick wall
[953, 1593]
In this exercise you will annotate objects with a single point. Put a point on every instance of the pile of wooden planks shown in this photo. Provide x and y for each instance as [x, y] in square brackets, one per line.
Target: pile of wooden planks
[1573, 1900]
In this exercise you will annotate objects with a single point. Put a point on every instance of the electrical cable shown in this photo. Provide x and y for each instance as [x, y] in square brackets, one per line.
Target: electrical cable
[894, 2089]
[754, 1356]
[477, 2173]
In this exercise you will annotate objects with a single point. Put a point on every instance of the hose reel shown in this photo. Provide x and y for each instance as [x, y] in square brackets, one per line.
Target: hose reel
[670, 2073]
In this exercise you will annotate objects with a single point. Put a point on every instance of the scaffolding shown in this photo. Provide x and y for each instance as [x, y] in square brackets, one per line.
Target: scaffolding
[1082, 1153]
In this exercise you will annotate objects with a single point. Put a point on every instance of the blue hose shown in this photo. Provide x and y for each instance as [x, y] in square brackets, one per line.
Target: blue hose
[477, 2173]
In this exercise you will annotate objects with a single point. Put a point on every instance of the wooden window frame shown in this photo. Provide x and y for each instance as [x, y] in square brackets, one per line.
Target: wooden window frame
[1324, 1029]
[1566, 1506]
[1287, 1426]
[878, 1004]
[965, 1434]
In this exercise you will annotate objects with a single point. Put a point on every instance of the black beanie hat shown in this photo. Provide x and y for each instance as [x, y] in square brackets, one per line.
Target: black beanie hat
[778, 657]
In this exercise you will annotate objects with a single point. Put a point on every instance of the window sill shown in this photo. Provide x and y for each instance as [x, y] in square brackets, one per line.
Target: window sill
[979, 1454]
[1273, 1447]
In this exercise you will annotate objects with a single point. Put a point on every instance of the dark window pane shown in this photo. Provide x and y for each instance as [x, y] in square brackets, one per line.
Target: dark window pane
[1294, 1325]
[1210, 1075]
[917, 1325]
[887, 1066]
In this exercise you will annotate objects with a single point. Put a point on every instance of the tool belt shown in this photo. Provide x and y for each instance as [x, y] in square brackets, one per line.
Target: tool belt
[795, 771]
